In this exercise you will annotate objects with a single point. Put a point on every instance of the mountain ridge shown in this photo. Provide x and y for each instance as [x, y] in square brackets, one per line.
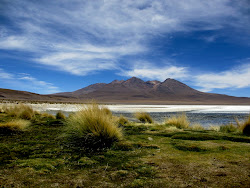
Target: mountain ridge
[132, 90]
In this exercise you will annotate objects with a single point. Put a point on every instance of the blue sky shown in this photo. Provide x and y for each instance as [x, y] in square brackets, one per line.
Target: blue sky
[64, 45]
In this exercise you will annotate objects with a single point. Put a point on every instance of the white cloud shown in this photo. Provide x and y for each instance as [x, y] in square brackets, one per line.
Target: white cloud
[5, 75]
[26, 82]
[239, 77]
[235, 78]
[149, 71]
[82, 37]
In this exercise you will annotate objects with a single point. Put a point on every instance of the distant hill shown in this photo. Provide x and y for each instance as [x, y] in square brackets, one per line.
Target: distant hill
[8, 94]
[135, 90]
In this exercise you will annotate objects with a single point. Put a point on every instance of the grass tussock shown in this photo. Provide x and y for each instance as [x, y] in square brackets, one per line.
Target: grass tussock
[60, 116]
[47, 115]
[143, 117]
[20, 111]
[244, 126]
[122, 120]
[13, 126]
[92, 129]
[228, 128]
[197, 127]
[107, 111]
[214, 128]
[180, 121]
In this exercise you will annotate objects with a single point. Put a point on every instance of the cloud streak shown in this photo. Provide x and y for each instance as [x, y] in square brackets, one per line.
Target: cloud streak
[27, 82]
[150, 71]
[238, 77]
[84, 37]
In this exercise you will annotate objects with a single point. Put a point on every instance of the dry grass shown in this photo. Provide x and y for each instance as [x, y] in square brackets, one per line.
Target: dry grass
[92, 128]
[47, 115]
[180, 121]
[197, 127]
[107, 111]
[14, 126]
[214, 128]
[122, 120]
[246, 127]
[20, 111]
[143, 117]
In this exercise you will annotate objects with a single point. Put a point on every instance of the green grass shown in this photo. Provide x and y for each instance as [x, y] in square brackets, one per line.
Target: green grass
[228, 128]
[149, 155]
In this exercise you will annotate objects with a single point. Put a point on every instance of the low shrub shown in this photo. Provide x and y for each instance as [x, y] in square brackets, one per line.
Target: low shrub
[92, 129]
[14, 126]
[143, 117]
[180, 121]
[60, 116]
[228, 128]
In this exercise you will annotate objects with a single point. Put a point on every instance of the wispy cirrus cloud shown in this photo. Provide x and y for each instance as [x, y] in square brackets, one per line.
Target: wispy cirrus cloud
[150, 71]
[237, 77]
[5, 75]
[82, 37]
[27, 82]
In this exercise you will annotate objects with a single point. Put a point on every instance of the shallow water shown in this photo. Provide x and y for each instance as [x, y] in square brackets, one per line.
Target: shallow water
[205, 119]
[206, 115]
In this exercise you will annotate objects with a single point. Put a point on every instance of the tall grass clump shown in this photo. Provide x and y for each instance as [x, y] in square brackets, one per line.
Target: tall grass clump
[92, 129]
[107, 111]
[20, 111]
[122, 120]
[46, 115]
[60, 116]
[144, 117]
[180, 121]
[244, 126]
[14, 126]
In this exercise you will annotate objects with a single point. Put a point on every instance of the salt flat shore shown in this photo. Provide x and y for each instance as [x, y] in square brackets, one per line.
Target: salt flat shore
[148, 108]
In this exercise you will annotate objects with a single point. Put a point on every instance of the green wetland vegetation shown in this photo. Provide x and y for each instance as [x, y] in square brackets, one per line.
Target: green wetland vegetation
[93, 148]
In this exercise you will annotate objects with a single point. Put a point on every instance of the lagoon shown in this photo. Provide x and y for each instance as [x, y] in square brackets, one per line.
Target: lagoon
[206, 115]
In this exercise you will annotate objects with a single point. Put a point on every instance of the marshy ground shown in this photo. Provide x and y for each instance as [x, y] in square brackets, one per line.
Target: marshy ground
[149, 155]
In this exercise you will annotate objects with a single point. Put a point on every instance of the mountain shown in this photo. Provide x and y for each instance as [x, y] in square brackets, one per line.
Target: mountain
[83, 91]
[133, 90]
